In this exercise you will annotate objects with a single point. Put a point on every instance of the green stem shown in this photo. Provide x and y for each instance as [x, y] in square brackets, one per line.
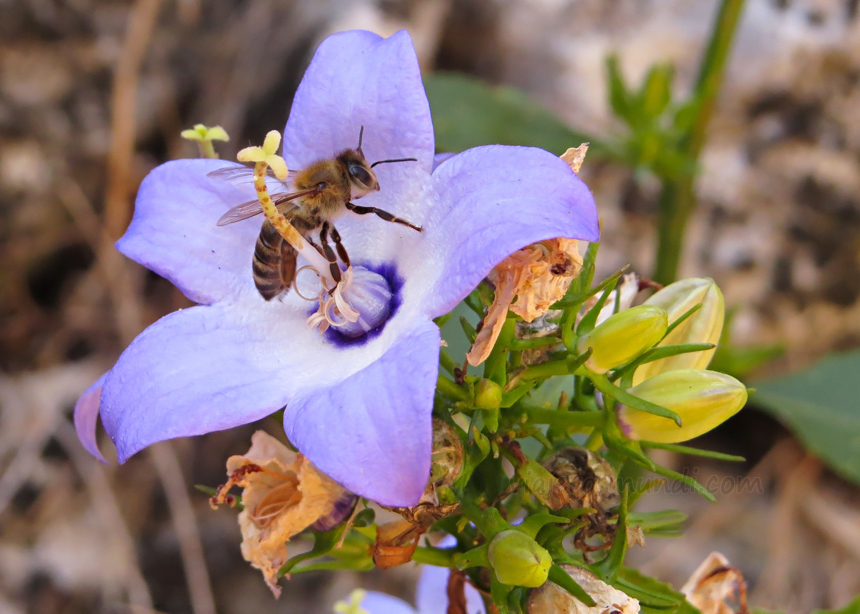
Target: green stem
[207, 150]
[447, 362]
[434, 556]
[678, 197]
[451, 390]
[554, 417]
[712, 69]
[595, 440]
[495, 367]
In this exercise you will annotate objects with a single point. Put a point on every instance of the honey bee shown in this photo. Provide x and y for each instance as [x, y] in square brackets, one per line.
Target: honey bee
[323, 190]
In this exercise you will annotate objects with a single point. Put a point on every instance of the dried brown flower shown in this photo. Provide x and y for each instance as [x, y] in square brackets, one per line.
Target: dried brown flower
[283, 495]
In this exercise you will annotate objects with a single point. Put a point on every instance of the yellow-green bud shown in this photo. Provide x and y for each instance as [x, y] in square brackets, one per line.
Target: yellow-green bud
[703, 399]
[519, 560]
[488, 394]
[704, 326]
[623, 337]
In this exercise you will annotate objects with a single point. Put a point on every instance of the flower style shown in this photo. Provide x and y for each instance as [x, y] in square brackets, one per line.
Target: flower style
[357, 405]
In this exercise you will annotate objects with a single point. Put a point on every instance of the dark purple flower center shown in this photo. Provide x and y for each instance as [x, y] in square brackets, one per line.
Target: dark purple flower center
[375, 294]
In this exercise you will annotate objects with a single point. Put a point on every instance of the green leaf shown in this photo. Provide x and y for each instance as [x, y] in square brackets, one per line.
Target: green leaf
[575, 298]
[650, 521]
[650, 592]
[684, 479]
[533, 524]
[656, 93]
[656, 353]
[609, 567]
[820, 406]
[364, 518]
[673, 447]
[620, 99]
[642, 489]
[500, 592]
[589, 320]
[603, 384]
[468, 113]
[540, 482]
[558, 575]
[476, 557]
[851, 608]
[323, 544]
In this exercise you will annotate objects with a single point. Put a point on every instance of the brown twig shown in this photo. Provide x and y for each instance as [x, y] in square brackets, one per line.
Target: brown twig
[185, 524]
[776, 578]
[119, 276]
[110, 517]
[123, 115]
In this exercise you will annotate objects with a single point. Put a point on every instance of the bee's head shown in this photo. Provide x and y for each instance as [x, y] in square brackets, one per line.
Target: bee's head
[362, 179]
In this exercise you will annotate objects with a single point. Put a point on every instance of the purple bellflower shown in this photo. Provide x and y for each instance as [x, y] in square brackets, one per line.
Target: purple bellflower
[357, 402]
[431, 597]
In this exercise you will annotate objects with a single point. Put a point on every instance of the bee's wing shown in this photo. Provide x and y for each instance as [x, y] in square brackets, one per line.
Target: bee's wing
[239, 176]
[253, 207]
[241, 212]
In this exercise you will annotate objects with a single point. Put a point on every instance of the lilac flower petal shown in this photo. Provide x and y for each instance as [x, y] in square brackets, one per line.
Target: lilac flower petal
[195, 371]
[372, 431]
[86, 417]
[439, 158]
[492, 201]
[356, 79]
[174, 231]
[432, 596]
[380, 603]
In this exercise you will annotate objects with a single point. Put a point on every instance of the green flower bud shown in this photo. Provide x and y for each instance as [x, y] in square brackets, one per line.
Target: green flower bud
[703, 399]
[704, 326]
[623, 337]
[519, 560]
[488, 394]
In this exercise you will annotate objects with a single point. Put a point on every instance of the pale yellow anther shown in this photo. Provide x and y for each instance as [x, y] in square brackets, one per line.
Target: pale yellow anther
[268, 154]
[204, 136]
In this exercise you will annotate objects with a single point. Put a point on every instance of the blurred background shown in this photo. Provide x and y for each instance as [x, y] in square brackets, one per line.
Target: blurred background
[733, 126]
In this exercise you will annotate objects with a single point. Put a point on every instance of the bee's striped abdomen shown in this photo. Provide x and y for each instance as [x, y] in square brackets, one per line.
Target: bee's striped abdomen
[267, 263]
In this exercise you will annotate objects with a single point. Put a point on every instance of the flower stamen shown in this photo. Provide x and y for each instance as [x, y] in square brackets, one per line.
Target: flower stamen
[334, 305]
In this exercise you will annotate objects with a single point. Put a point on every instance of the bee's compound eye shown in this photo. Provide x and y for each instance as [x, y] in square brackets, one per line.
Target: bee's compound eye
[360, 174]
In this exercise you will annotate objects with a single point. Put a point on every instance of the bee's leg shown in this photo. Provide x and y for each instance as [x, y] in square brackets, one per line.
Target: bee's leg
[341, 250]
[329, 254]
[385, 215]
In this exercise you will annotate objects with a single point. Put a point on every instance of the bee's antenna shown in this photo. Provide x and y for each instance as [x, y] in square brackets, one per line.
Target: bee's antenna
[360, 138]
[394, 160]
